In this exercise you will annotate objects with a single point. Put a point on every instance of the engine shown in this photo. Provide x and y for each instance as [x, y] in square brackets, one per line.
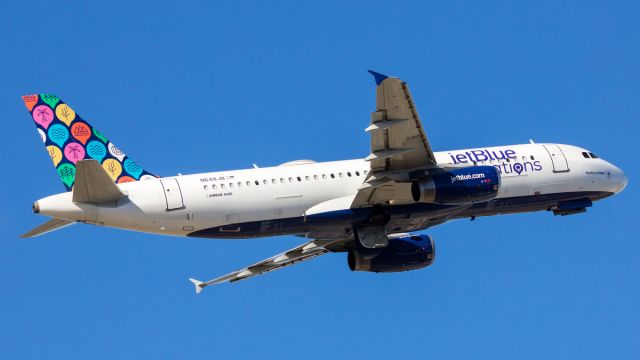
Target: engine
[404, 253]
[458, 186]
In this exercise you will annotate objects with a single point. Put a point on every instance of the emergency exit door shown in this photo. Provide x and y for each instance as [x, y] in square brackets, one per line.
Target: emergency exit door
[172, 194]
[559, 161]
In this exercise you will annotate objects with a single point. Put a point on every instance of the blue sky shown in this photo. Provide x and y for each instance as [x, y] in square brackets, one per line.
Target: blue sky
[202, 86]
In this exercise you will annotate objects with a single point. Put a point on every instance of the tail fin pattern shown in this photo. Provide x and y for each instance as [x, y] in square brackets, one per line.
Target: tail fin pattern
[68, 139]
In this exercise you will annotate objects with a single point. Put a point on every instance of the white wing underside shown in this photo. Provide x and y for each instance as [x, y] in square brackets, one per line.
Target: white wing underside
[298, 254]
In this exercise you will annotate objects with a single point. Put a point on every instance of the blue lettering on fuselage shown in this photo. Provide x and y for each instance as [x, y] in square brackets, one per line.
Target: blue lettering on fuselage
[503, 157]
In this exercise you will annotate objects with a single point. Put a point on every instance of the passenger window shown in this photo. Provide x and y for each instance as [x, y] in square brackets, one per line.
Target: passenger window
[239, 183]
[273, 181]
[222, 186]
[324, 176]
[205, 187]
[348, 174]
[290, 179]
[366, 172]
[307, 178]
[257, 182]
[584, 153]
[315, 177]
[340, 174]
[248, 183]
[213, 187]
[299, 178]
[532, 158]
[265, 181]
[282, 180]
[593, 155]
[333, 176]
[231, 185]
[357, 173]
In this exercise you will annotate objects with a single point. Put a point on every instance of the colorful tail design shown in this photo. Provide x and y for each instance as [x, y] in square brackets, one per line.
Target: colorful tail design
[68, 139]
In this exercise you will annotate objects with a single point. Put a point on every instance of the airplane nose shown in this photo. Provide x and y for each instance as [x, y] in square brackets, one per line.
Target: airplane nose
[618, 178]
[624, 180]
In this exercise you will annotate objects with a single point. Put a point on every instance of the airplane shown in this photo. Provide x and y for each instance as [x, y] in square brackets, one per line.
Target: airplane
[371, 208]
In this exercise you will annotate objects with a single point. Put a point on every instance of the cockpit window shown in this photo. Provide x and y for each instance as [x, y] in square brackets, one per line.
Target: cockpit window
[593, 155]
[584, 153]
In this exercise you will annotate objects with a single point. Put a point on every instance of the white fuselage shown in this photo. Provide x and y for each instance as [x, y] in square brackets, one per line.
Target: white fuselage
[183, 204]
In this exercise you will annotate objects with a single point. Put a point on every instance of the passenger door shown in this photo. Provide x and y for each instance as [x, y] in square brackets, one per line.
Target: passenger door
[559, 161]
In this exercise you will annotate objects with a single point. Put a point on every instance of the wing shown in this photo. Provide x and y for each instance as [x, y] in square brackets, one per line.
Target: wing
[298, 254]
[399, 145]
[398, 140]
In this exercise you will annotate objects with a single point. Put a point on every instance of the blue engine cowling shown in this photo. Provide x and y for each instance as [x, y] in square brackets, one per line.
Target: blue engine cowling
[458, 186]
[403, 253]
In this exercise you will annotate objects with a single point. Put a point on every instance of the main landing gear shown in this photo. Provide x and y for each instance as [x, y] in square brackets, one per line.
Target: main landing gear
[372, 233]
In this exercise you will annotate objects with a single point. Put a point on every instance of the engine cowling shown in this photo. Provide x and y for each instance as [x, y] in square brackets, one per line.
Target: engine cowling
[458, 186]
[403, 253]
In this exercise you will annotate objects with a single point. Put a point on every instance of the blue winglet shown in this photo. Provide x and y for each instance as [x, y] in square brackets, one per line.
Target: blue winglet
[379, 77]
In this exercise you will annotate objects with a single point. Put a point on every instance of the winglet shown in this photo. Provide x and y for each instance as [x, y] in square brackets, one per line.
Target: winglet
[198, 284]
[378, 77]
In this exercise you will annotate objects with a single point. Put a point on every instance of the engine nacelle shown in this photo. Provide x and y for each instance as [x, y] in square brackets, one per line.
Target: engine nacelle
[458, 186]
[403, 253]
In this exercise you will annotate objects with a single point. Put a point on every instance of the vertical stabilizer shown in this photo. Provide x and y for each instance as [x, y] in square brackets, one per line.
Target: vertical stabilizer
[68, 139]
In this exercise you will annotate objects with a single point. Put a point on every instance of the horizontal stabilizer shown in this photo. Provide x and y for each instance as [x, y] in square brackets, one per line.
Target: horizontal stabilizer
[51, 225]
[198, 284]
[94, 185]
